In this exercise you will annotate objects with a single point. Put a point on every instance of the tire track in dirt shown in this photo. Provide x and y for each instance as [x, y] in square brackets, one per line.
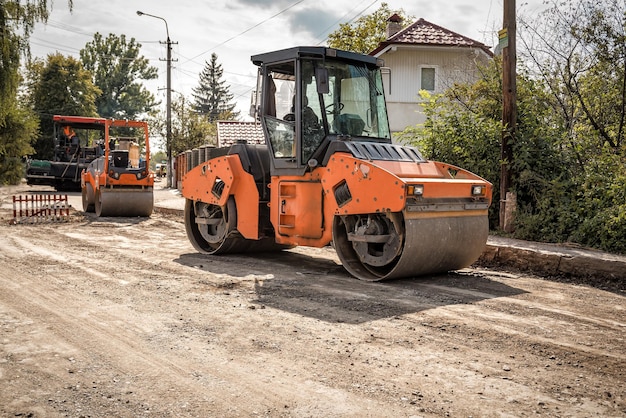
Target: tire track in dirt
[101, 332]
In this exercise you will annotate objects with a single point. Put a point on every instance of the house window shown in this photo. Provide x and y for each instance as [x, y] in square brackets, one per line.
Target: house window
[427, 78]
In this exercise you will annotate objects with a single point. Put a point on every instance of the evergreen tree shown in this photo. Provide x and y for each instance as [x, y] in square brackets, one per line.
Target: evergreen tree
[211, 97]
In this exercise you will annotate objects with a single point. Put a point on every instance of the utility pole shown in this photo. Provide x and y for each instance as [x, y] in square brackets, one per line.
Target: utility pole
[168, 116]
[509, 113]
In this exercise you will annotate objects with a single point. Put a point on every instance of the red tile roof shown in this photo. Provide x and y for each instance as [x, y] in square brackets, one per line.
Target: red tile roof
[231, 131]
[422, 32]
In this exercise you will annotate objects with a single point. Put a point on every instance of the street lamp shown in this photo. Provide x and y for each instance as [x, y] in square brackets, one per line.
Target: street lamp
[168, 140]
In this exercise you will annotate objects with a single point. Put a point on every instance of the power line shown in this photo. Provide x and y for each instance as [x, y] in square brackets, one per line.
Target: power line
[54, 45]
[69, 28]
[245, 31]
[245, 93]
[361, 12]
[325, 31]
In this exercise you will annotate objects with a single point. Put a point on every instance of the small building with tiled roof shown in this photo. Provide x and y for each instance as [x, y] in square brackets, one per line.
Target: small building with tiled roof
[231, 131]
[424, 56]
[424, 33]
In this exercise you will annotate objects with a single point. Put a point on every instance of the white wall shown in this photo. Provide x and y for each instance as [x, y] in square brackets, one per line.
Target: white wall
[402, 115]
[402, 83]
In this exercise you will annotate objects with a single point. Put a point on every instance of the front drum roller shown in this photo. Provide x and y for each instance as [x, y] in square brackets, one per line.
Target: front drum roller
[212, 229]
[386, 246]
[124, 202]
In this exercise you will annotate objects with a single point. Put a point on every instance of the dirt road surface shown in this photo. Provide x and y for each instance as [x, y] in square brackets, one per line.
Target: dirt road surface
[123, 318]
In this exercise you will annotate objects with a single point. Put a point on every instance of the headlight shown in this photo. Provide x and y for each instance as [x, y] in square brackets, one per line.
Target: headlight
[478, 190]
[415, 189]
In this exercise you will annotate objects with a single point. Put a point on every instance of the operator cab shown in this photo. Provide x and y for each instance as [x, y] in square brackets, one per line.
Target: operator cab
[314, 96]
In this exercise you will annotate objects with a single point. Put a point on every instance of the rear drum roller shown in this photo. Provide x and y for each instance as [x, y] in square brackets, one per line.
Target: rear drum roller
[368, 245]
[208, 226]
[385, 246]
[212, 229]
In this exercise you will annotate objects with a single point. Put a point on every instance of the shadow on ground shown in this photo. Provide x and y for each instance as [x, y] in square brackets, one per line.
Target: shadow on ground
[319, 288]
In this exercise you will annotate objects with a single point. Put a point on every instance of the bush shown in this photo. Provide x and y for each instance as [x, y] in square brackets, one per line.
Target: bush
[16, 131]
[568, 189]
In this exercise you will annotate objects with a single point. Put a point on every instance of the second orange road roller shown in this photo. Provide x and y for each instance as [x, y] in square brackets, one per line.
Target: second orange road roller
[119, 182]
[329, 173]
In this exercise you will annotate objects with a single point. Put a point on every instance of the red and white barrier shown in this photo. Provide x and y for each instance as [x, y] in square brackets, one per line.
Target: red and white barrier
[38, 208]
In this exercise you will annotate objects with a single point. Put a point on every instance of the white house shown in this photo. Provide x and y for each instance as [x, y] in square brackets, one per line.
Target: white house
[424, 56]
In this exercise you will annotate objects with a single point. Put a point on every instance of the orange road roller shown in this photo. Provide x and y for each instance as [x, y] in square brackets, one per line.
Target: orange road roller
[119, 182]
[329, 173]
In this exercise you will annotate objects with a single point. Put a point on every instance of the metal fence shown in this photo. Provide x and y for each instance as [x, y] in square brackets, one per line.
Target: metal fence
[38, 208]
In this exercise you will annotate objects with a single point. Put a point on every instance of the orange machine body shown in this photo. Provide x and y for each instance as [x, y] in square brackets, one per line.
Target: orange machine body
[302, 208]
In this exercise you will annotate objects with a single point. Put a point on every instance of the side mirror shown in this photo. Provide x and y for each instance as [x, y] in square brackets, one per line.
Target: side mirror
[321, 78]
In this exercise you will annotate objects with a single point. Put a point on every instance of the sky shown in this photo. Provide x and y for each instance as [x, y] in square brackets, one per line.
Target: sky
[238, 29]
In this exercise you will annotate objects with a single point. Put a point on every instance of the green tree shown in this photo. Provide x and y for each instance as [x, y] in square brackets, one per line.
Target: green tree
[190, 129]
[9, 60]
[59, 86]
[117, 70]
[364, 35]
[463, 127]
[16, 132]
[157, 158]
[212, 98]
[17, 21]
[578, 49]
[18, 125]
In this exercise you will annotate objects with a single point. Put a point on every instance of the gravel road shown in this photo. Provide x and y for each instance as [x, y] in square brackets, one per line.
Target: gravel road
[120, 317]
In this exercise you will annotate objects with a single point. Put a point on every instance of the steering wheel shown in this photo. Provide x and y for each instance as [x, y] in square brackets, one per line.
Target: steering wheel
[334, 108]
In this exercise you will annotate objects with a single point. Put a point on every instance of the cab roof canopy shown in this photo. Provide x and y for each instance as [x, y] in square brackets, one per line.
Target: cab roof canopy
[313, 52]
